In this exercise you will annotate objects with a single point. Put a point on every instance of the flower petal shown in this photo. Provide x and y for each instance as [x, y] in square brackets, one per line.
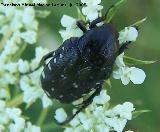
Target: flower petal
[137, 76]
[119, 60]
[125, 80]
[61, 115]
[68, 21]
[132, 34]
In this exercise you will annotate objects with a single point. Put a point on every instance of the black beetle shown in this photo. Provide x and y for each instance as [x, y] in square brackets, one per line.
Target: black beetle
[82, 64]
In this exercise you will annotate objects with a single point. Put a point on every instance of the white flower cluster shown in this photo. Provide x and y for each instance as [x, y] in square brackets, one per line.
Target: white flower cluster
[99, 117]
[71, 28]
[30, 84]
[12, 120]
[18, 28]
[125, 73]
[128, 34]
[12, 21]
[91, 11]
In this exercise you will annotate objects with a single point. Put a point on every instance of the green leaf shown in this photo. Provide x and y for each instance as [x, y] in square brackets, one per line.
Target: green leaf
[133, 61]
[42, 13]
[80, 15]
[114, 9]
[140, 112]
[138, 23]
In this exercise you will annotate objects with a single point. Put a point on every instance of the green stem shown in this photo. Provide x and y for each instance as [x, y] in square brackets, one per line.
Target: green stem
[113, 11]
[16, 101]
[5, 39]
[18, 54]
[42, 117]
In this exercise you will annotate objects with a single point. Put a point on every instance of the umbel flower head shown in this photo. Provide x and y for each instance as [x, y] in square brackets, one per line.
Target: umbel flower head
[98, 116]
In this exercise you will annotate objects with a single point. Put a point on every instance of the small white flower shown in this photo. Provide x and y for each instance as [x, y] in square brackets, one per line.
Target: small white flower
[23, 66]
[75, 122]
[60, 115]
[3, 94]
[13, 113]
[16, 23]
[98, 117]
[68, 33]
[128, 34]
[9, 78]
[28, 15]
[71, 28]
[82, 117]
[29, 36]
[18, 126]
[92, 9]
[116, 123]
[102, 128]
[103, 98]
[68, 22]
[119, 60]
[136, 75]
[125, 110]
[98, 112]
[87, 124]
[10, 47]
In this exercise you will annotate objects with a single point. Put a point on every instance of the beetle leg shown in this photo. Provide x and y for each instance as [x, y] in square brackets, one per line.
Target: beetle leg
[123, 47]
[100, 19]
[84, 104]
[44, 58]
[81, 26]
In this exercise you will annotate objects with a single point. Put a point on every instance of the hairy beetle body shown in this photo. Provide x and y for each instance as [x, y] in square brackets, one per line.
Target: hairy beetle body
[80, 64]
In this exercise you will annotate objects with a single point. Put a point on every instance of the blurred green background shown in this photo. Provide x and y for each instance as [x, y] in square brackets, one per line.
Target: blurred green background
[147, 47]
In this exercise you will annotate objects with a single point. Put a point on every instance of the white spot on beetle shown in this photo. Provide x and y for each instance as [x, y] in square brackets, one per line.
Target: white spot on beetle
[60, 56]
[63, 77]
[52, 89]
[54, 54]
[98, 83]
[61, 96]
[43, 74]
[47, 94]
[49, 66]
[75, 85]
[62, 48]
[55, 60]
